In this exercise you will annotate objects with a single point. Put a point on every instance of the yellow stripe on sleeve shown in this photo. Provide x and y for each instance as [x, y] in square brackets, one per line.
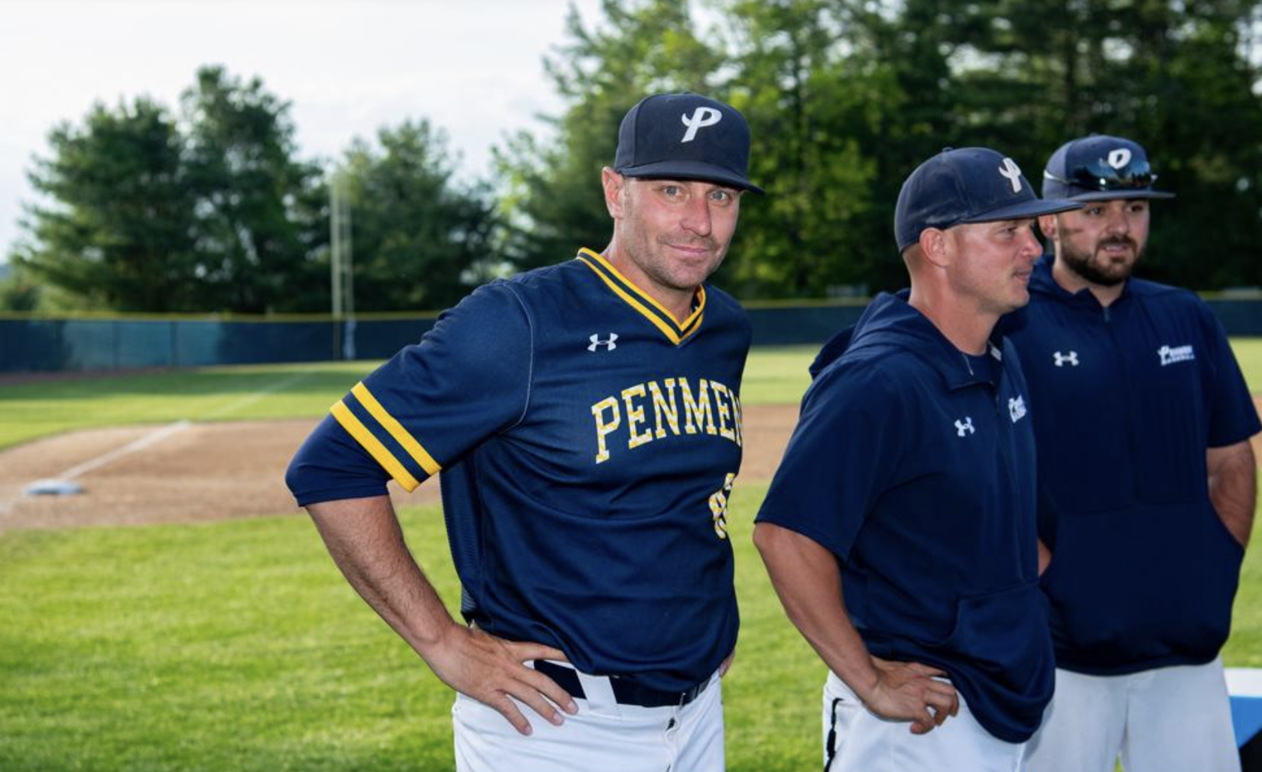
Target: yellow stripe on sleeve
[365, 438]
[401, 435]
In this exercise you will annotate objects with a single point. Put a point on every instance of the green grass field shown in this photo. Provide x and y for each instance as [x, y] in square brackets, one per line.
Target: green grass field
[32, 410]
[237, 645]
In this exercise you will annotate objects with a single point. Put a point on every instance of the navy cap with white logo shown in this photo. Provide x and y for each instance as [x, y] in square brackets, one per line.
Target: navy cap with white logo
[966, 185]
[1100, 168]
[685, 137]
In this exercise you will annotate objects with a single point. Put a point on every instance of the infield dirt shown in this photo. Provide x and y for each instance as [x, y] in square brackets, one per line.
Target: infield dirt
[214, 471]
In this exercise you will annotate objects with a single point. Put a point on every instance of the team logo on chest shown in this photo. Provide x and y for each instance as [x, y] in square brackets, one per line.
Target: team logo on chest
[965, 427]
[609, 343]
[1070, 359]
[1016, 408]
[670, 407]
[1173, 354]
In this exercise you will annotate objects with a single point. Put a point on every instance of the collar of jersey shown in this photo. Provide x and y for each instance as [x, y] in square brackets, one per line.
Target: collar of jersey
[633, 296]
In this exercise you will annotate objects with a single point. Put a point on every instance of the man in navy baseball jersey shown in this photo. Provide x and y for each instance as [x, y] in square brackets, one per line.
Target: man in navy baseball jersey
[899, 530]
[1146, 481]
[586, 421]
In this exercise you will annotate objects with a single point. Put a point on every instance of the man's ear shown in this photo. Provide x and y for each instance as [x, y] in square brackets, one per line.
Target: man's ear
[613, 184]
[1049, 223]
[933, 246]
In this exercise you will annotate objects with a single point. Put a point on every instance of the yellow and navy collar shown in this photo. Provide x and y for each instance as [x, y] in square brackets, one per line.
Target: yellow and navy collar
[635, 297]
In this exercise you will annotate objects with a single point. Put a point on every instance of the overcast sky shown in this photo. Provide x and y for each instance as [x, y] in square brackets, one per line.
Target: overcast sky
[474, 68]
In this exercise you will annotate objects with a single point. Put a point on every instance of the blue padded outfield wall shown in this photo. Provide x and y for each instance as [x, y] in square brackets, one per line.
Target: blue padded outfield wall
[45, 344]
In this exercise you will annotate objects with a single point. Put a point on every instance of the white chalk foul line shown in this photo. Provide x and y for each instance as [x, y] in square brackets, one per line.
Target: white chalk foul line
[169, 429]
[166, 431]
[140, 443]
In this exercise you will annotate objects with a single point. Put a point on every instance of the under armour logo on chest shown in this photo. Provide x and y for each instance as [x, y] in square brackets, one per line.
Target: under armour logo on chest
[1066, 359]
[609, 344]
[701, 118]
[1012, 173]
[965, 427]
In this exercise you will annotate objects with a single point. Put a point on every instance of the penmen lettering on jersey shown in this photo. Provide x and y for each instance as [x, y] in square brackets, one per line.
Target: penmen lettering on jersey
[656, 410]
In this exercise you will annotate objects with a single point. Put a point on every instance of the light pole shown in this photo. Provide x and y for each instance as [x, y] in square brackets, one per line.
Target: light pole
[342, 268]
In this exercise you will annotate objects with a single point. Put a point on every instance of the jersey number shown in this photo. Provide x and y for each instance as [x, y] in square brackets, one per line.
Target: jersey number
[718, 505]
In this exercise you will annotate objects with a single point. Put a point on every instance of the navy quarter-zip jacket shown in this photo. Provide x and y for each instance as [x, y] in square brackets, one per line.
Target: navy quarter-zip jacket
[1129, 397]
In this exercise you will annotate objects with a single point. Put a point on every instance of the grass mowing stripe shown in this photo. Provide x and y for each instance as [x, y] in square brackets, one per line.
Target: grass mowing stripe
[246, 401]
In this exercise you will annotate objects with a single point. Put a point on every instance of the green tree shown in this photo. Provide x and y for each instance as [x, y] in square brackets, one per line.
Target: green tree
[212, 213]
[419, 239]
[1175, 76]
[808, 100]
[117, 229]
[846, 97]
[18, 291]
[258, 210]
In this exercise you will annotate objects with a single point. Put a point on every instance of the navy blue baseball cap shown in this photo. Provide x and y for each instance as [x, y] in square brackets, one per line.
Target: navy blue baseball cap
[685, 137]
[1100, 168]
[966, 185]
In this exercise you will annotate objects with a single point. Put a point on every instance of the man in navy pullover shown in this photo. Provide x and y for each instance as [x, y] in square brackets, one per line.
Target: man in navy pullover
[1146, 481]
[899, 531]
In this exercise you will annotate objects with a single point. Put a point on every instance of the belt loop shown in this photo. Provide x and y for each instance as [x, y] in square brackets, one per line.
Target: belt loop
[599, 691]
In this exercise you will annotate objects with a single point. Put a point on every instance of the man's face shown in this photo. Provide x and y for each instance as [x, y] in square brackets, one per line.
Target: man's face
[993, 262]
[674, 232]
[1103, 241]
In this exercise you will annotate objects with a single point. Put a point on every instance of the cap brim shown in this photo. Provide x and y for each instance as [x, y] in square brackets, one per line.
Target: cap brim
[690, 170]
[1021, 211]
[1118, 195]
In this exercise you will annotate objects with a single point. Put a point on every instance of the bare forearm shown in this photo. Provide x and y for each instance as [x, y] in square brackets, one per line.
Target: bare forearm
[1233, 487]
[366, 542]
[808, 582]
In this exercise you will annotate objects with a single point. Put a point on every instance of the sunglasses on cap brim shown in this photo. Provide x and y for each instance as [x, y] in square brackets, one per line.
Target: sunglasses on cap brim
[1099, 175]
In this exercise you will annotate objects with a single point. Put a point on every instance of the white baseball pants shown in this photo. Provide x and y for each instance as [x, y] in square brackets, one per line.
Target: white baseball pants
[857, 740]
[1171, 719]
[602, 737]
